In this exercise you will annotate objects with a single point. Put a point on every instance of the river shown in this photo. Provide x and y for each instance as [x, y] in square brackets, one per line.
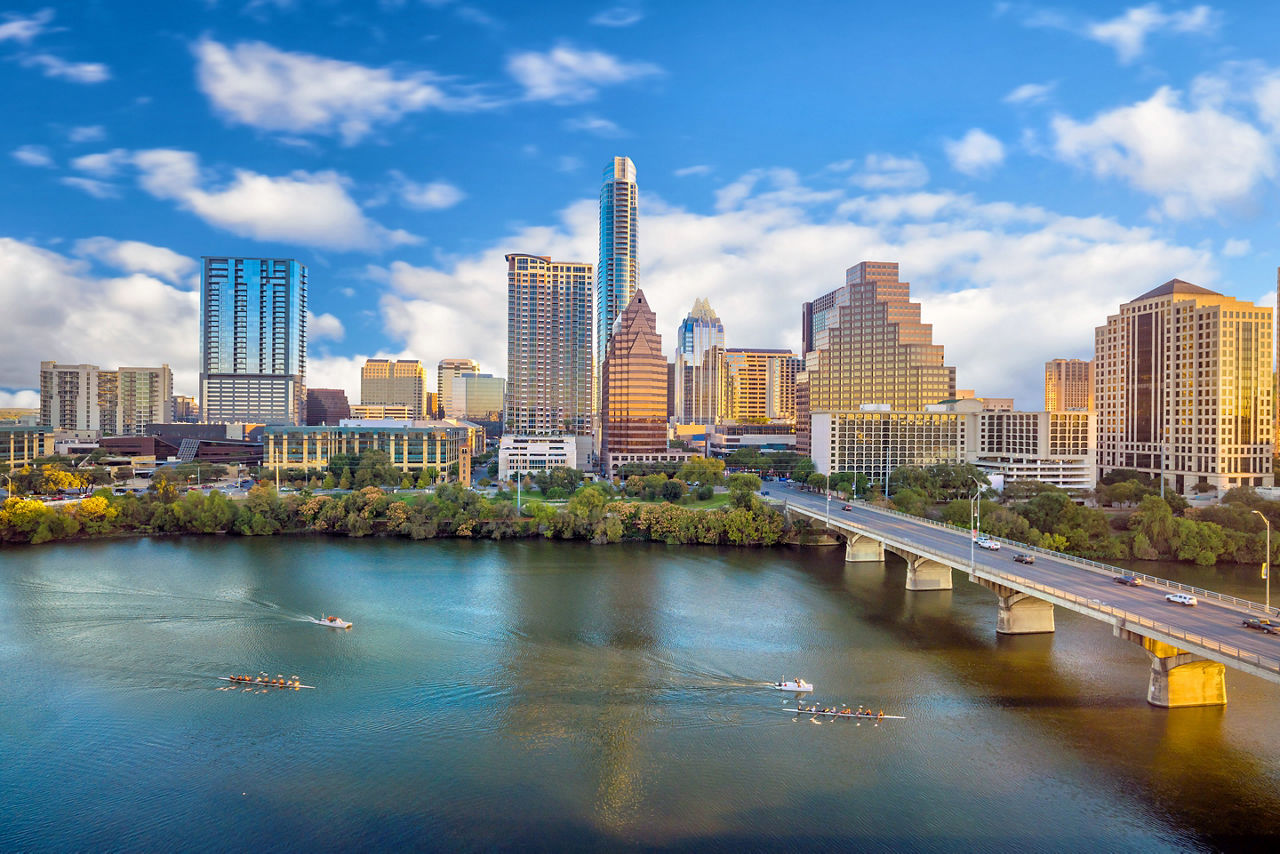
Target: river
[560, 696]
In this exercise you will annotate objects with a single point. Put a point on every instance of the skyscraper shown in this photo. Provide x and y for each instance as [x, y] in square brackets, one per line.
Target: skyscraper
[446, 372]
[69, 397]
[253, 341]
[143, 396]
[633, 390]
[549, 360]
[1183, 385]
[402, 382]
[616, 273]
[1068, 385]
[699, 342]
[871, 346]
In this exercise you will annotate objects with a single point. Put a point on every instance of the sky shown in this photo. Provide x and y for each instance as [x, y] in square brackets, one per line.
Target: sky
[1029, 166]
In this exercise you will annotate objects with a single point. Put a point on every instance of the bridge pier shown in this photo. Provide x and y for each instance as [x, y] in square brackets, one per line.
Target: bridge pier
[859, 548]
[1019, 613]
[1180, 678]
[926, 574]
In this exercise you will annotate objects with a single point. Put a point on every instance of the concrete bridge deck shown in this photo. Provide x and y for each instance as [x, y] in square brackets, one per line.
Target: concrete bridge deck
[1189, 646]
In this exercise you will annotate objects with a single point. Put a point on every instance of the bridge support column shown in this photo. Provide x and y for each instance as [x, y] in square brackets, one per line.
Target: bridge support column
[926, 574]
[1180, 678]
[863, 549]
[1023, 614]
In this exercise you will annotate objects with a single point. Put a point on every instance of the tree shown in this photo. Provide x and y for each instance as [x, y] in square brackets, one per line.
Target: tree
[802, 468]
[673, 490]
[702, 470]
[741, 487]
[345, 481]
[329, 482]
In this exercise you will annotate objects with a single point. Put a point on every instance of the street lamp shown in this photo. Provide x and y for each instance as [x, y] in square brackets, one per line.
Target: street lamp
[977, 502]
[9, 489]
[827, 521]
[1266, 565]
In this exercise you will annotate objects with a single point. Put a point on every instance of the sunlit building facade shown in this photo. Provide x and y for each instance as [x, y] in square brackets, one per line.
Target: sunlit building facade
[758, 386]
[1183, 388]
[253, 341]
[446, 372]
[399, 382]
[696, 375]
[143, 396]
[1068, 385]
[409, 446]
[616, 272]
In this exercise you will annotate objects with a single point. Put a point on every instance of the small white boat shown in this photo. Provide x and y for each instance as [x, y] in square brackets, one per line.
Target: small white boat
[797, 685]
[332, 622]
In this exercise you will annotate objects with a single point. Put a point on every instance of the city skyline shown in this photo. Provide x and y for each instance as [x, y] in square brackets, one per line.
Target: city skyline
[1127, 145]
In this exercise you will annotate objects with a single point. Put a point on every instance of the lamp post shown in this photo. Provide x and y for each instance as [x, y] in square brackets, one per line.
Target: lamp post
[1266, 565]
[978, 504]
[827, 520]
[9, 489]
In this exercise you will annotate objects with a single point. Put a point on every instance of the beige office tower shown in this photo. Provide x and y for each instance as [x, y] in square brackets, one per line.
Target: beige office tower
[549, 356]
[399, 383]
[143, 396]
[1068, 385]
[864, 343]
[446, 372]
[759, 386]
[1183, 388]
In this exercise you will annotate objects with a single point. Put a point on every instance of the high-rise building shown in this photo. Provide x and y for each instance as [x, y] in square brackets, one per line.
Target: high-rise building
[549, 359]
[699, 342]
[69, 397]
[326, 407]
[143, 396]
[402, 382]
[253, 342]
[480, 397]
[616, 273]
[758, 385]
[633, 390]
[185, 409]
[872, 346]
[1068, 385]
[1183, 388]
[446, 372]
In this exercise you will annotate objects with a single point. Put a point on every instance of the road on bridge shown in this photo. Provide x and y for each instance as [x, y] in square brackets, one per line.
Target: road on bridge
[1211, 619]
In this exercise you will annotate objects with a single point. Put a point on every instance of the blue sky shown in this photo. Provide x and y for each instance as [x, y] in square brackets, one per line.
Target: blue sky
[1029, 166]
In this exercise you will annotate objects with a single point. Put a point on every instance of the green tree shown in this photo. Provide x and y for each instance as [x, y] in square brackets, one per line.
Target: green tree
[345, 481]
[702, 470]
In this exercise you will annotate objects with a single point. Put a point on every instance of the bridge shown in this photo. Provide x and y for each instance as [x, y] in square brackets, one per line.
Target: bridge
[1190, 647]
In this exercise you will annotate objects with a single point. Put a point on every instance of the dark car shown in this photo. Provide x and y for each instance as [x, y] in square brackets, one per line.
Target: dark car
[1128, 580]
[1024, 558]
[1263, 624]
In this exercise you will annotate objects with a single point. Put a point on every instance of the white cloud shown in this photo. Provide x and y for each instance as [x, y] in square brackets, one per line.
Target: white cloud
[60, 69]
[1127, 34]
[132, 256]
[617, 16]
[567, 75]
[568, 163]
[887, 172]
[24, 30]
[975, 153]
[1033, 281]
[92, 186]
[70, 315]
[1235, 248]
[699, 169]
[429, 196]
[1195, 161]
[1030, 93]
[596, 126]
[309, 208]
[87, 133]
[28, 398]
[255, 84]
[324, 326]
[32, 155]
[103, 164]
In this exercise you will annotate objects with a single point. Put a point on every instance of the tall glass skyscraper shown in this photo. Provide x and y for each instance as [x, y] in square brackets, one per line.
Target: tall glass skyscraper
[253, 340]
[616, 273]
[699, 344]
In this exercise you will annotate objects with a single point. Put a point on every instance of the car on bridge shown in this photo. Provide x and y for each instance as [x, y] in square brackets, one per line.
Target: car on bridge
[1262, 623]
[1020, 557]
[1128, 580]
[985, 542]
[847, 507]
[1181, 598]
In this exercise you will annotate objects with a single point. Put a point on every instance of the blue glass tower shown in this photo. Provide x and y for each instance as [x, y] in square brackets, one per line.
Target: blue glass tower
[616, 274]
[253, 340]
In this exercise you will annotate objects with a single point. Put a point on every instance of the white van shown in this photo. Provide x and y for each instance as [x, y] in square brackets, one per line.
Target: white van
[1181, 598]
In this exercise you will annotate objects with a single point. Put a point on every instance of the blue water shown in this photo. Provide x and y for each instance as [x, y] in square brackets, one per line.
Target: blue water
[558, 696]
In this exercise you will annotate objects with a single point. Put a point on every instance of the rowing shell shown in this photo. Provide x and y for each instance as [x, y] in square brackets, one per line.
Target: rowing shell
[848, 715]
[251, 684]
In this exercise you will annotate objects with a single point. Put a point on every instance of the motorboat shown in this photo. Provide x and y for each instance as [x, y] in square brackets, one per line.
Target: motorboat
[798, 685]
[332, 622]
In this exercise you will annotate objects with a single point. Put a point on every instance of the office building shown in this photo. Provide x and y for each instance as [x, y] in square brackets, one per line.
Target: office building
[480, 397]
[410, 446]
[401, 382]
[253, 341]
[186, 409]
[326, 406]
[1183, 388]
[633, 391]
[1068, 385]
[446, 371]
[616, 273]
[758, 386]
[549, 360]
[21, 444]
[699, 342]
[383, 412]
[521, 455]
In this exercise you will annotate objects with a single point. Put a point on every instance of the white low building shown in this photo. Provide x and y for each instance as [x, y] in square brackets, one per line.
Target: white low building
[518, 455]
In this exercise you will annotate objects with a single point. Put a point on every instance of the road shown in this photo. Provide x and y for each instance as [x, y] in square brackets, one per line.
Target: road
[1211, 619]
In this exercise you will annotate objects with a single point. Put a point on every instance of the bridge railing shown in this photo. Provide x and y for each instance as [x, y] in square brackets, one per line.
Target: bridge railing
[1084, 562]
